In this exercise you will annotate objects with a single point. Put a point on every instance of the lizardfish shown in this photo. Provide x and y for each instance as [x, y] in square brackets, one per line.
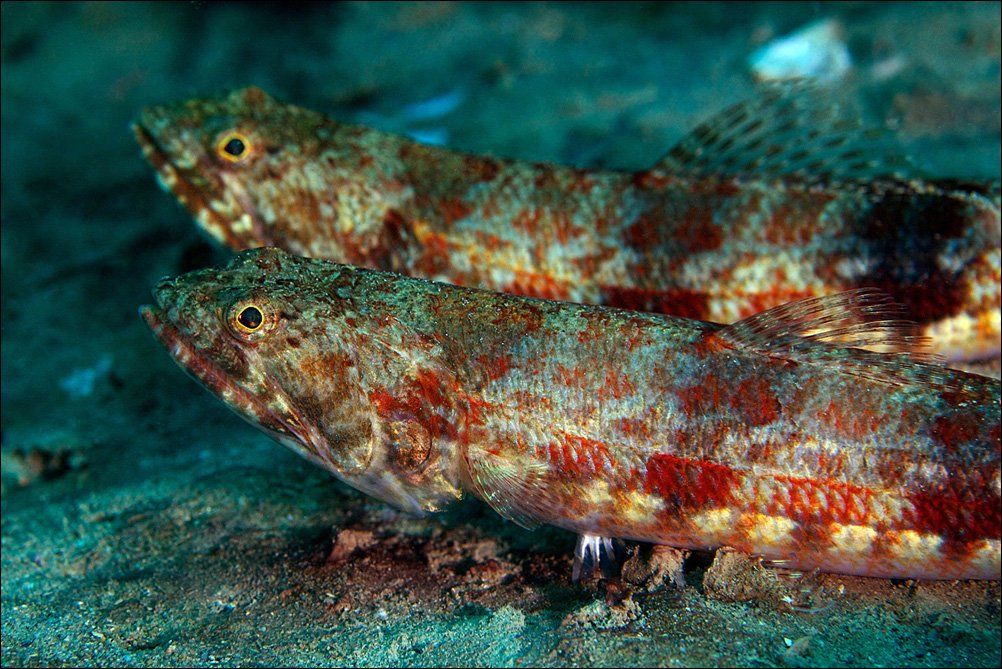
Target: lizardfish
[775, 199]
[780, 435]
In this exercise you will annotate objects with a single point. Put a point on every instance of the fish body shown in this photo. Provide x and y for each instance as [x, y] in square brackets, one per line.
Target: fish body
[764, 204]
[776, 436]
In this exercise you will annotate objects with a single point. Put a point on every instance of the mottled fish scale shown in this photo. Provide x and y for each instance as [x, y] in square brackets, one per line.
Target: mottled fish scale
[733, 222]
[772, 436]
[739, 440]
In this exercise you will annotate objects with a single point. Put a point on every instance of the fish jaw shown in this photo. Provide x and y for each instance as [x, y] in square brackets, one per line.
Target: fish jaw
[307, 396]
[216, 380]
[219, 215]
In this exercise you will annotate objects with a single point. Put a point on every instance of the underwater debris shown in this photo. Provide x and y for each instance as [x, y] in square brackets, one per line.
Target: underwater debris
[797, 650]
[653, 566]
[348, 542]
[738, 577]
[816, 52]
[888, 67]
[430, 136]
[435, 107]
[81, 382]
[31, 464]
[600, 615]
[419, 112]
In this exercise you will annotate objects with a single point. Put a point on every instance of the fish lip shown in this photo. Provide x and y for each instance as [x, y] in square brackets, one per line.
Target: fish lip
[201, 368]
[156, 156]
[192, 198]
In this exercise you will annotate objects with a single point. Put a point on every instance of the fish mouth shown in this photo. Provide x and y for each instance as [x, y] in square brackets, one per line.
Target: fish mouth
[203, 369]
[289, 431]
[193, 198]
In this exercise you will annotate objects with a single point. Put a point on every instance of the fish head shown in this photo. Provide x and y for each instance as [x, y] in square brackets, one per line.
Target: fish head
[254, 172]
[279, 340]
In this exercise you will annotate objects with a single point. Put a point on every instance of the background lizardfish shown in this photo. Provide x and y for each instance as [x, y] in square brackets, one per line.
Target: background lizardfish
[775, 435]
[777, 199]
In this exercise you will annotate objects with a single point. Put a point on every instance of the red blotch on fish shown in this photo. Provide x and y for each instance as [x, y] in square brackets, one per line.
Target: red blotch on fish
[794, 222]
[643, 233]
[527, 221]
[421, 397]
[617, 385]
[435, 258]
[955, 430]
[632, 428]
[959, 510]
[699, 233]
[532, 284]
[755, 401]
[454, 209]
[578, 456]
[854, 420]
[496, 366]
[677, 301]
[564, 228]
[690, 484]
[807, 501]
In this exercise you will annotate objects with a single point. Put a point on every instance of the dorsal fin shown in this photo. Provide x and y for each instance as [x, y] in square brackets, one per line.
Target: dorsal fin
[858, 332]
[861, 318]
[791, 129]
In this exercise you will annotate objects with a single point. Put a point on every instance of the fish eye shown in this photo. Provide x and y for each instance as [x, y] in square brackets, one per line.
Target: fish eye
[250, 318]
[233, 147]
[249, 321]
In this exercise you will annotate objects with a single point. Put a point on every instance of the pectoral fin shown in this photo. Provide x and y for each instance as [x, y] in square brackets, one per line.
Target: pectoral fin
[512, 486]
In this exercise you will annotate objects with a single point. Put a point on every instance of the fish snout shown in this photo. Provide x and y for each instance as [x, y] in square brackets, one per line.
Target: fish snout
[164, 292]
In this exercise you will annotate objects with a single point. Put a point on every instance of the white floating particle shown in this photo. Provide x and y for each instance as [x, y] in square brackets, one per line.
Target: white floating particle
[816, 51]
[80, 382]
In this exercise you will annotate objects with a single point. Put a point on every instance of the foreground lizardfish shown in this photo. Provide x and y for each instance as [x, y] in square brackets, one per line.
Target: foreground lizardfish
[774, 435]
[774, 200]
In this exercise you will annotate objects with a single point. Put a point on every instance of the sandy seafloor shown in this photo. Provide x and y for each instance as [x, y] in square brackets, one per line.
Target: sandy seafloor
[144, 524]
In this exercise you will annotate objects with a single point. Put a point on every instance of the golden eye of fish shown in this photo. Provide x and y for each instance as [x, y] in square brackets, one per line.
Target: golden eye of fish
[250, 318]
[233, 147]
